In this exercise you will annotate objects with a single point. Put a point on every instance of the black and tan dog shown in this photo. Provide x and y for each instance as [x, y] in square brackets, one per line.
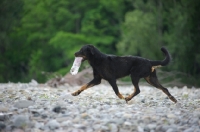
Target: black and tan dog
[111, 67]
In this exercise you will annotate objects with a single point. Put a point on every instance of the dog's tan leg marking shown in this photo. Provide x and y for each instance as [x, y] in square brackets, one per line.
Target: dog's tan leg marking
[84, 87]
[130, 96]
[120, 96]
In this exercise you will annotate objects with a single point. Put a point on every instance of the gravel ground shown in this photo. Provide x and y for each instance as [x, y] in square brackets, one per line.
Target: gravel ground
[36, 108]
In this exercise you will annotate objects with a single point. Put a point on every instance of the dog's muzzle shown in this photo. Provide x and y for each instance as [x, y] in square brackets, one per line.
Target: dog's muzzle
[77, 54]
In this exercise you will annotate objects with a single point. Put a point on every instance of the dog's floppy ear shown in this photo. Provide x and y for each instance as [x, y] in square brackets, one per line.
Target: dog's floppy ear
[91, 49]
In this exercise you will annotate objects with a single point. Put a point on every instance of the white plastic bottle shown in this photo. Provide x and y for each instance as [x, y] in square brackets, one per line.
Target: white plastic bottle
[76, 65]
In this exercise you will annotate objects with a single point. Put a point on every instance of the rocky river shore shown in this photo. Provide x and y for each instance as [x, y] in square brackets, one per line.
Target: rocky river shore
[33, 107]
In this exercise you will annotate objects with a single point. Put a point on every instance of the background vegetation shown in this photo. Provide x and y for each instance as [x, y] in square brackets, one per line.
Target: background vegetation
[41, 36]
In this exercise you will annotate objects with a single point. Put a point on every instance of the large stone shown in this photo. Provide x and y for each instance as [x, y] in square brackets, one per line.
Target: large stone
[53, 124]
[2, 126]
[3, 109]
[23, 104]
[21, 121]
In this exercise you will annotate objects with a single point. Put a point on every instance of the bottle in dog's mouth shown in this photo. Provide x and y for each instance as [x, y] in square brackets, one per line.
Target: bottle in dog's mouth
[76, 65]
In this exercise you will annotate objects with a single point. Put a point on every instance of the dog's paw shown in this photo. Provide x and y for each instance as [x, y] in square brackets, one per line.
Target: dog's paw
[173, 99]
[76, 93]
[127, 99]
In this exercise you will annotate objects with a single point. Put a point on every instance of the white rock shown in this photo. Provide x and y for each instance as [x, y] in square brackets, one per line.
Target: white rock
[33, 83]
[113, 127]
[52, 125]
[66, 123]
[171, 116]
[127, 123]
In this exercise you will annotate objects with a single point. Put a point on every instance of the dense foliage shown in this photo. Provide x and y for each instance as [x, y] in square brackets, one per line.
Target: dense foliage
[41, 36]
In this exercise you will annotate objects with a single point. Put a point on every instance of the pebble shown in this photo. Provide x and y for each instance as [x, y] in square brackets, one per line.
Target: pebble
[66, 123]
[21, 121]
[113, 127]
[171, 116]
[57, 109]
[52, 125]
[2, 126]
[3, 109]
[23, 104]
[3, 117]
[127, 123]
[36, 107]
[84, 115]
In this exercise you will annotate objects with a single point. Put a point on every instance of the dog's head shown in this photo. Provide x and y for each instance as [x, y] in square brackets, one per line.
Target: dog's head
[87, 51]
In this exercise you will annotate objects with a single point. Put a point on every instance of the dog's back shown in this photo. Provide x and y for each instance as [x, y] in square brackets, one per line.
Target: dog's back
[121, 66]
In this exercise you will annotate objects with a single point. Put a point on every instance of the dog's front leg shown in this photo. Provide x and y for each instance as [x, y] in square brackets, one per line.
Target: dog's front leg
[135, 81]
[95, 81]
[115, 88]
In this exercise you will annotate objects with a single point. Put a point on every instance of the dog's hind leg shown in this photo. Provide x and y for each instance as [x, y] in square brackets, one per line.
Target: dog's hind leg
[95, 81]
[115, 88]
[135, 81]
[152, 79]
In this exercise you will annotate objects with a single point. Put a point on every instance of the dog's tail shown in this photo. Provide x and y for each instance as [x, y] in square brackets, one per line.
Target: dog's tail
[163, 62]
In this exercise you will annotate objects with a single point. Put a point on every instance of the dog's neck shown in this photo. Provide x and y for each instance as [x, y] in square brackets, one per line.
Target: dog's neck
[96, 58]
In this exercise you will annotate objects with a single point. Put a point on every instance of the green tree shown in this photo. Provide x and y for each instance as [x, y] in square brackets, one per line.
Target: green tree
[53, 30]
[140, 31]
[181, 36]
[10, 14]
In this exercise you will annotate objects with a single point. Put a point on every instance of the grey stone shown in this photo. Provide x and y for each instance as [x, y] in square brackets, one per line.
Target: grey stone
[17, 130]
[140, 129]
[80, 126]
[147, 129]
[143, 100]
[96, 126]
[39, 125]
[57, 109]
[170, 130]
[127, 123]
[113, 127]
[24, 104]
[21, 121]
[3, 108]
[165, 128]
[2, 126]
[189, 130]
[52, 125]
[35, 113]
[194, 121]
[152, 126]
[3, 117]
[66, 123]
[44, 116]
[171, 116]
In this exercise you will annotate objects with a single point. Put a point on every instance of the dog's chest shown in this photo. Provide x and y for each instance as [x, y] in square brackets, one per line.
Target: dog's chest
[104, 71]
